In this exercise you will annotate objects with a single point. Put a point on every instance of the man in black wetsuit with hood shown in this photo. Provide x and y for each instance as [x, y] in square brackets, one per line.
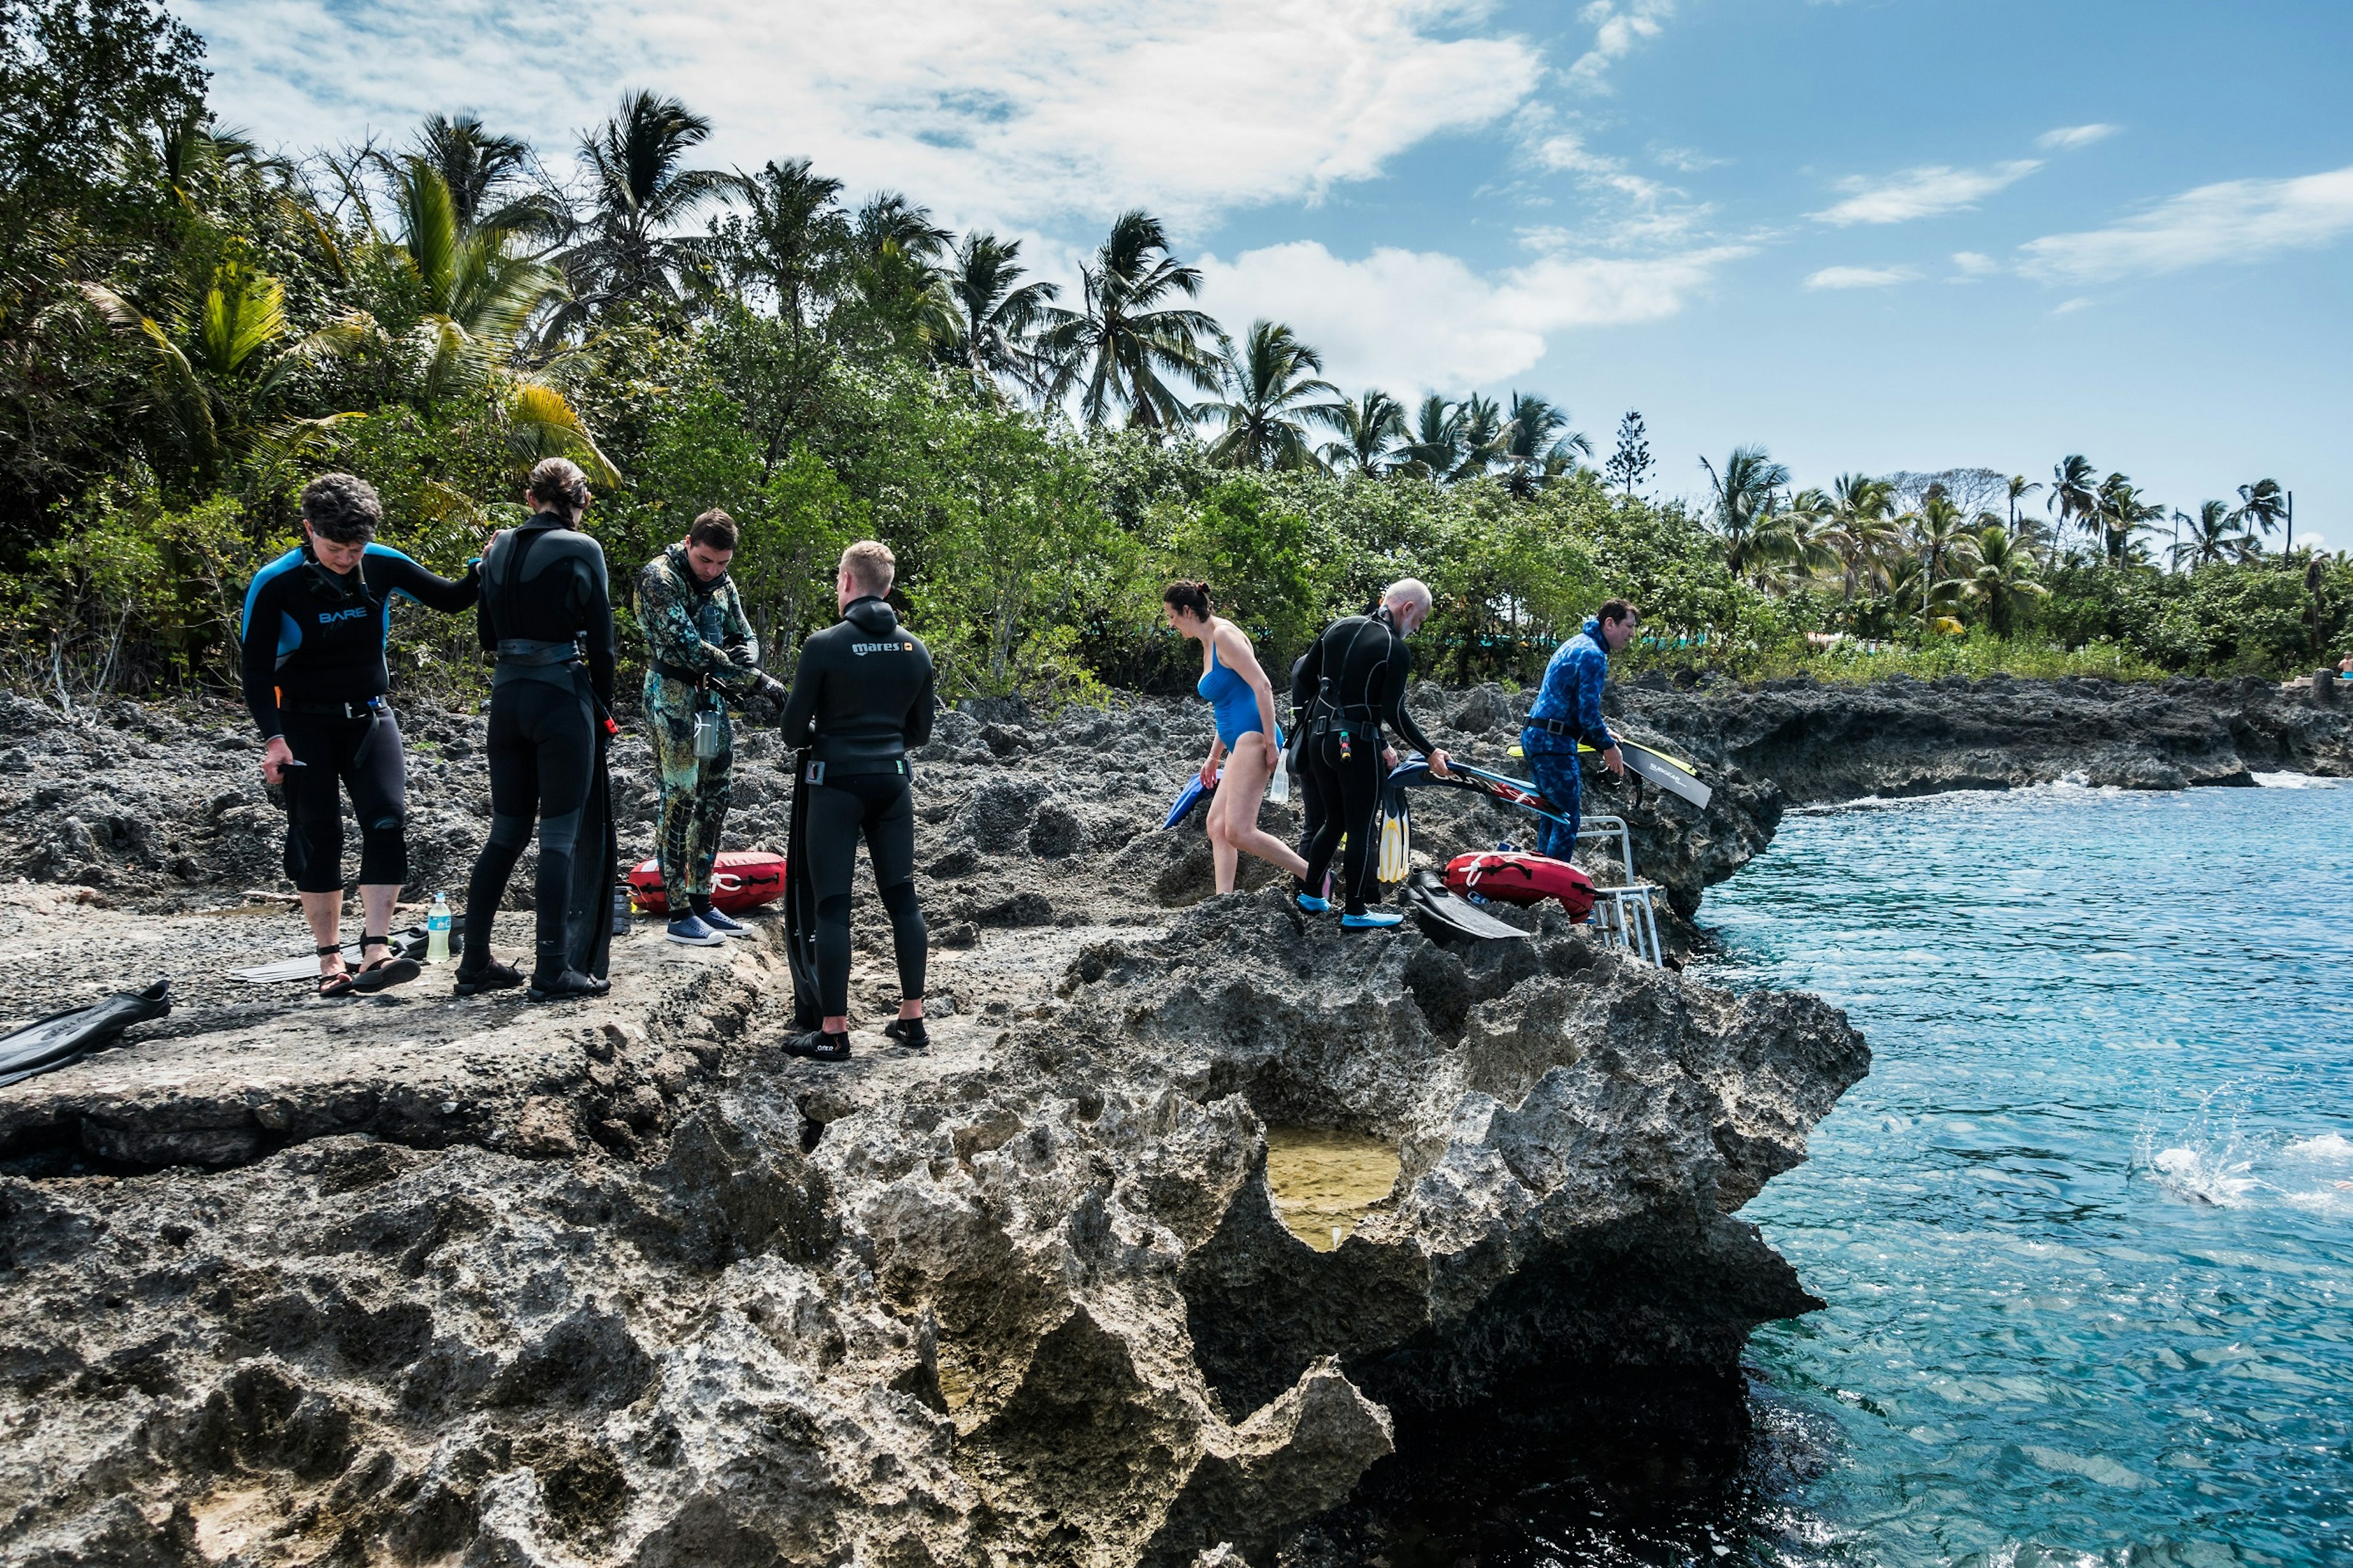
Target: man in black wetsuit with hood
[861, 696]
[547, 612]
[1358, 669]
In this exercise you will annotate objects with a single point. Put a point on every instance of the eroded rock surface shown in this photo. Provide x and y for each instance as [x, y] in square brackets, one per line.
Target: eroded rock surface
[411, 1280]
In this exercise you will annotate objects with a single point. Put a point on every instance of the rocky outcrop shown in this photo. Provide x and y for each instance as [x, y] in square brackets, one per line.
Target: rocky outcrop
[1901, 737]
[413, 1279]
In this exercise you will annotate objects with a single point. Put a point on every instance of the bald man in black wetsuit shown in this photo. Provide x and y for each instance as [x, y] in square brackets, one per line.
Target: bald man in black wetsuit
[1358, 668]
[861, 696]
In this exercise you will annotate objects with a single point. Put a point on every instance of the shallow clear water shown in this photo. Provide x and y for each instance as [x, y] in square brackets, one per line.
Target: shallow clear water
[2086, 1231]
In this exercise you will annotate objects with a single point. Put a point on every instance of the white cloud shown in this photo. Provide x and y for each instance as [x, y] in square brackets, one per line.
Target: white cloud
[1860, 276]
[1687, 160]
[2067, 138]
[1411, 321]
[1975, 264]
[1921, 193]
[1004, 112]
[2069, 307]
[1617, 28]
[2236, 220]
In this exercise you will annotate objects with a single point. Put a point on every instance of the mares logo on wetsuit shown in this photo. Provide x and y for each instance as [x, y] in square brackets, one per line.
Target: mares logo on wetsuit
[862, 648]
[329, 618]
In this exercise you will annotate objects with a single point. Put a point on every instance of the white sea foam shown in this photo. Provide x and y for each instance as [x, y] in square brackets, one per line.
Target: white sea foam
[2333, 1201]
[2201, 1175]
[2327, 1146]
[2295, 781]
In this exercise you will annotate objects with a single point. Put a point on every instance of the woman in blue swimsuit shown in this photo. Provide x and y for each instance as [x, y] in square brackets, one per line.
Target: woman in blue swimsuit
[1247, 743]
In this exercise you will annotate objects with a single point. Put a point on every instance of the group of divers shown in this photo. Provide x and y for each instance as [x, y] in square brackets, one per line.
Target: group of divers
[316, 679]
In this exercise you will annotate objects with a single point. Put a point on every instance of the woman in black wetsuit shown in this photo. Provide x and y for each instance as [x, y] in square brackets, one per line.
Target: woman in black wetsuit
[547, 612]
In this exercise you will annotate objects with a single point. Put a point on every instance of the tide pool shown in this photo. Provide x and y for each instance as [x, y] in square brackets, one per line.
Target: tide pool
[2086, 1231]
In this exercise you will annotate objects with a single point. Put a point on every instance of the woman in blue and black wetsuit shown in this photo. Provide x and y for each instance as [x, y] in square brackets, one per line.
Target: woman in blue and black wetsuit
[1248, 741]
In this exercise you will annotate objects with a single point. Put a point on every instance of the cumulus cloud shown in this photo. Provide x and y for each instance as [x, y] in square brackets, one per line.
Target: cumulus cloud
[2067, 138]
[2236, 220]
[1975, 264]
[1617, 27]
[1921, 193]
[1004, 111]
[1860, 276]
[1417, 321]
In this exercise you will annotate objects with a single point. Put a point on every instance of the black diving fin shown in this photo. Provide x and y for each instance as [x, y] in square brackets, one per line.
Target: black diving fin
[1444, 912]
[408, 942]
[67, 1037]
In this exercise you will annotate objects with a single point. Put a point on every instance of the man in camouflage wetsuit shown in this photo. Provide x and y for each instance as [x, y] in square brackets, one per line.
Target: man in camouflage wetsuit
[701, 651]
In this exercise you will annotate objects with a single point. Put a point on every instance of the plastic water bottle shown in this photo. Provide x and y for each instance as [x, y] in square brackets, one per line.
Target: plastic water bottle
[1278, 785]
[436, 931]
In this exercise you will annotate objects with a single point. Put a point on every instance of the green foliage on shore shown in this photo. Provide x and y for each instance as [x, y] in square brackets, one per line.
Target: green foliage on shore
[189, 329]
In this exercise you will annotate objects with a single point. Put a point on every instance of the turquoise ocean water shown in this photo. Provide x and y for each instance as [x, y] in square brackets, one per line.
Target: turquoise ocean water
[2086, 1231]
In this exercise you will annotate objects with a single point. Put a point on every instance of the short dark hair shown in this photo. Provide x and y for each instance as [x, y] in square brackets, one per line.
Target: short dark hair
[715, 529]
[557, 484]
[1193, 598]
[342, 508]
[1616, 610]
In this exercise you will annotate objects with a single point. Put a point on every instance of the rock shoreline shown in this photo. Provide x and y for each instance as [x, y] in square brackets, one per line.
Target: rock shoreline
[410, 1279]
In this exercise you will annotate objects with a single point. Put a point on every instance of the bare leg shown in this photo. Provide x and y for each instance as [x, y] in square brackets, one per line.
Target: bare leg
[1233, 816]
[325, 913]
[913, 1008]
[376, 899]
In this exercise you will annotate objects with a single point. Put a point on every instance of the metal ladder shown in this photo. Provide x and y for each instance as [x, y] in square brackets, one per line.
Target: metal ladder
[1623, 915]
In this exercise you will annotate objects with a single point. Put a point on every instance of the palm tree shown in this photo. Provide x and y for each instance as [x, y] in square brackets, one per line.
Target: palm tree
[1940, 528]
[1538, 446]
[1267, 389]
[2214, 536]
[1745, 493]
[2261, 506]
[479, 169]
[996, 314]
[2019, 490]
[215, 377]
[790, 238]
[638, 193]
[1997, 572]
[1434, 447]
[1862, 527]
[1796, 538]
[1484, 433]
[2073, 495]
[2121, 514]
[1371, 429]
[1127, 337]
[479, 296]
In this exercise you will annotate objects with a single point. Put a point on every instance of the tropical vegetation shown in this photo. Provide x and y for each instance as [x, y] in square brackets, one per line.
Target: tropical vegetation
[191, 327]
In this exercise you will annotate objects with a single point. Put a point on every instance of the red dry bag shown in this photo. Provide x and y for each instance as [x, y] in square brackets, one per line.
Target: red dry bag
[742, 880]
[1510, 877]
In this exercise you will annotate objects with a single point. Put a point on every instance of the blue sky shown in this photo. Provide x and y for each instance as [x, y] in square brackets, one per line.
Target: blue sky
[1908, 234]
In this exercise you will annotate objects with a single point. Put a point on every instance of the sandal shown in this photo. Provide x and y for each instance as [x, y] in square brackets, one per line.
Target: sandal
[394, 968]
[335, 982]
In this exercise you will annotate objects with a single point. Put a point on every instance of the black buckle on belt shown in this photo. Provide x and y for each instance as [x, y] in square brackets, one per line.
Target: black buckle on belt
[1552, 726]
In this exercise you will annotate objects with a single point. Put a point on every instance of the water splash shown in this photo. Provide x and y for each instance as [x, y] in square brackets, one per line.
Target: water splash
[2205, 1162]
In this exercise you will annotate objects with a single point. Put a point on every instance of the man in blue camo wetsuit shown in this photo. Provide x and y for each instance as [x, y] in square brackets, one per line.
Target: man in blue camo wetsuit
[1568, 710]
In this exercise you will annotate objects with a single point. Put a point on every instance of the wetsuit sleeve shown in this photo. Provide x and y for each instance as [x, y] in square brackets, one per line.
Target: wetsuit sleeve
[1307, 680]
[258, 661]
[1591, 672]
[743, 648]
[601, 654]
[435, 591]
[800, 706]
[918, 726]
[1400, 670]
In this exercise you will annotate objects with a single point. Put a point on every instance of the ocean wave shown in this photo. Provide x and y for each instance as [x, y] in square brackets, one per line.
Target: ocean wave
[2296, 781]
[2327, 1146]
